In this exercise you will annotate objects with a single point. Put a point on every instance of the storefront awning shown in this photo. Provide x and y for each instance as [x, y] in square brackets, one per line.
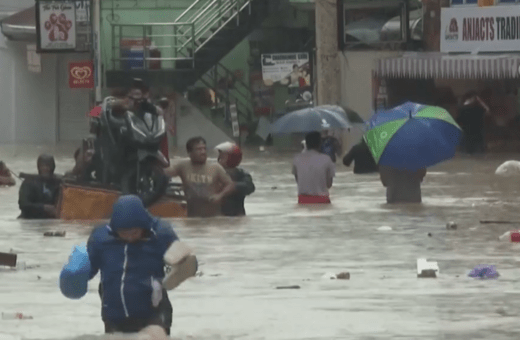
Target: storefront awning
[20, 26]
[437, 65]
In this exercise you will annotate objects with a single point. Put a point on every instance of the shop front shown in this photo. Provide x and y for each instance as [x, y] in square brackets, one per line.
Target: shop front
[46, 76]
[480, 52]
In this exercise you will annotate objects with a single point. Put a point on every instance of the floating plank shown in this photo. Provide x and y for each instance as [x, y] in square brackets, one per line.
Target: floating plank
[8, 259]
[499, 222]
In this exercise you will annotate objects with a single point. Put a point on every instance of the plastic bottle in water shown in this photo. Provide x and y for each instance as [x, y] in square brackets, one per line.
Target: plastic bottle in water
[15, 316]
[510, 236]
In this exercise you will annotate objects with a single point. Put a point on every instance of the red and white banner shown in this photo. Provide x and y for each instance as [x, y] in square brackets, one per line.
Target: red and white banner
[81, 75]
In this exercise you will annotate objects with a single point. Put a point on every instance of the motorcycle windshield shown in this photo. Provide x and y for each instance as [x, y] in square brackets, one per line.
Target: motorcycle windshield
[147, 129]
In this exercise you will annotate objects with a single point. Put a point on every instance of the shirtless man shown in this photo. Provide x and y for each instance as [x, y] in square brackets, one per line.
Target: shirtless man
[205, 185]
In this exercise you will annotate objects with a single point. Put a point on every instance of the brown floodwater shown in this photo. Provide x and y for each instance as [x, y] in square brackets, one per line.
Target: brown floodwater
[243, 260]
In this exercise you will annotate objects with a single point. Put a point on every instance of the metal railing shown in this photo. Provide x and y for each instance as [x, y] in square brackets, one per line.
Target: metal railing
[176, 41]
[211, 16]
[239, 94]
[145, 46]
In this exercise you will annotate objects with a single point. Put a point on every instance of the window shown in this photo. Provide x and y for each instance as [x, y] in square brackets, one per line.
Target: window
[374, 22]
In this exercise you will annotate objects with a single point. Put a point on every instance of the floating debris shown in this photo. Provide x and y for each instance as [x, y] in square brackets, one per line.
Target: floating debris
[343, 276]
[484, 271]
[288, 287]
[427, 269]
[54, 233]
[451, 225]
[8, 259]
[16, 316]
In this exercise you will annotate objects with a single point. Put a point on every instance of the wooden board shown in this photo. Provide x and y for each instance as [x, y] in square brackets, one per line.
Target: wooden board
[86, 203]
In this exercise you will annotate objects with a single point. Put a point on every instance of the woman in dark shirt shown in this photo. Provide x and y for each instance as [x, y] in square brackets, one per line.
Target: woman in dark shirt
[363, 160]
[471, 120]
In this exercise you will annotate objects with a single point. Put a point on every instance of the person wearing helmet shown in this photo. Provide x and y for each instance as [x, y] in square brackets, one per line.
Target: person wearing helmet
[230, 156]
[38, 195]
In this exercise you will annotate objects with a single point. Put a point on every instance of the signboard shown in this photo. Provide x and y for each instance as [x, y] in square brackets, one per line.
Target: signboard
[33, 59]
[490, 29]
[290, 69]
[234, 120]
[56, 24]
[82, 11]
[83, 26]
[81, 75]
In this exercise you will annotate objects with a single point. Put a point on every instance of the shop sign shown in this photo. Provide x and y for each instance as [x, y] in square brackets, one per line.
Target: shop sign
[56, 24]
[490, 29]
[81, 75]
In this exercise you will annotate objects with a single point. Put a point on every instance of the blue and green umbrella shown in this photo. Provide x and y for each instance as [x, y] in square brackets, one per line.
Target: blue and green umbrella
[412, 136]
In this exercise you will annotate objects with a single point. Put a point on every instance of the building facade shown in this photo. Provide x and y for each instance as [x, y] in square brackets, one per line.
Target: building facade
[38, 106]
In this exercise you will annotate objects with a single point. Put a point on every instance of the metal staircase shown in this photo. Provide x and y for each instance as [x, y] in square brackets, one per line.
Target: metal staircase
[229, 89]
[178, 53]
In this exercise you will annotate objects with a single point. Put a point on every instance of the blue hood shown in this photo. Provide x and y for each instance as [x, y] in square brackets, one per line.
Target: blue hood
[129, 212]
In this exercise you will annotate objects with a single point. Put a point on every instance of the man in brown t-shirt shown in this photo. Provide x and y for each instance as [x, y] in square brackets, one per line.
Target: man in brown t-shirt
[205, 185]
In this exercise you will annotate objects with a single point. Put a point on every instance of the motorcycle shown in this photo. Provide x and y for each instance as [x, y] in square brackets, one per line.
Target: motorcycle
[128, 149]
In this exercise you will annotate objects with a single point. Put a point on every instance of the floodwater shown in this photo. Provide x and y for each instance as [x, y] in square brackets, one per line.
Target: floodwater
[243, 260]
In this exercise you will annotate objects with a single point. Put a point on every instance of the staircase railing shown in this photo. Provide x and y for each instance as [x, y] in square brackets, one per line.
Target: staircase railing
[180, 40]
[209, 17]
[145, 46]
[239, 94]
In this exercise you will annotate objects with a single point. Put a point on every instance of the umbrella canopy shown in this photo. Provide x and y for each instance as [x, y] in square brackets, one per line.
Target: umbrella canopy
[312, 119]
[412, 136]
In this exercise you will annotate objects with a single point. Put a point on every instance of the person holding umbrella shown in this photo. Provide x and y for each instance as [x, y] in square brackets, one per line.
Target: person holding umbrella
[406, 140]
[363, 161]
[402, 186]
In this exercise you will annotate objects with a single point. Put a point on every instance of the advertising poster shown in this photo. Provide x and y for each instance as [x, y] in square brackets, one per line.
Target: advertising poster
[81, 75]
[57, 25]
[291, 69]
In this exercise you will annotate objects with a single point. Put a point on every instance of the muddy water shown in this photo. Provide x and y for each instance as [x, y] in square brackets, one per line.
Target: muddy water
[279, 244]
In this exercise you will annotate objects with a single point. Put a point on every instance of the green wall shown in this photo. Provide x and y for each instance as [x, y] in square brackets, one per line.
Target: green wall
[163, 11]
[143, 11]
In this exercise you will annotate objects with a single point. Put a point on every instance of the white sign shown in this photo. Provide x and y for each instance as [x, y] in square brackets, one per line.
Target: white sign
[82, 10]
[57, 25]
[286, 68]
[33, 59]
[234, 120]
[477, 29]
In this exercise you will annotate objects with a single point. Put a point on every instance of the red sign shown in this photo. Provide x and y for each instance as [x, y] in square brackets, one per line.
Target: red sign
[81, 75]
[135, 42]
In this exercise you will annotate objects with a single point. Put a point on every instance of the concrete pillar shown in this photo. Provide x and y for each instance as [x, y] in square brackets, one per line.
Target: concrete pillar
[432, 23]
[328, 62]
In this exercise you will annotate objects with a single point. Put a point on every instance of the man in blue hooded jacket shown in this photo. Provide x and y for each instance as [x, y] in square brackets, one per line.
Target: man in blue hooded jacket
[129, 253]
